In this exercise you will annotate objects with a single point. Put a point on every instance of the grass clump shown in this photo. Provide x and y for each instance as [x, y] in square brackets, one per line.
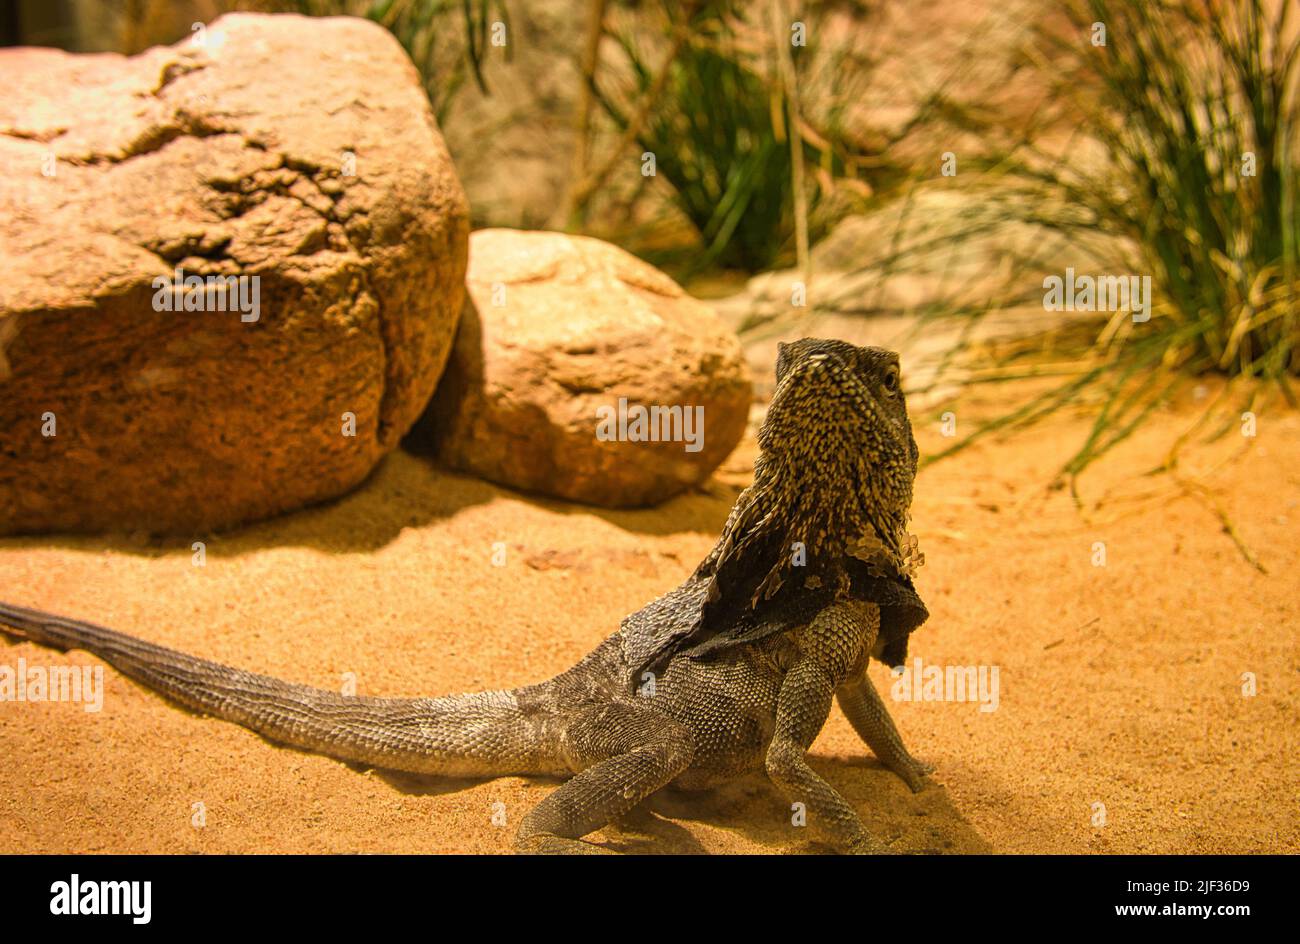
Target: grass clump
[1182, 167]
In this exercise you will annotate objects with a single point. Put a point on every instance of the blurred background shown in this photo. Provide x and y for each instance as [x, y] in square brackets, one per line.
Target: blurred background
[917, 168]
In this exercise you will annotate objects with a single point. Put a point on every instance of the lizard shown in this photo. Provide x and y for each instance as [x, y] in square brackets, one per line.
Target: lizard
[732, 672]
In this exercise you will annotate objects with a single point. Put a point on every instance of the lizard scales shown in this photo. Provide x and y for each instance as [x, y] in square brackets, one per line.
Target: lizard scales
[808, 580]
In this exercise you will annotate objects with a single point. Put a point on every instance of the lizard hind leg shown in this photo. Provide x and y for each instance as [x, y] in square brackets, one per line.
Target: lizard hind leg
[623, 754]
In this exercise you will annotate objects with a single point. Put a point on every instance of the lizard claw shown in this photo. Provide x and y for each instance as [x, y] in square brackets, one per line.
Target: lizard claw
[913, 773]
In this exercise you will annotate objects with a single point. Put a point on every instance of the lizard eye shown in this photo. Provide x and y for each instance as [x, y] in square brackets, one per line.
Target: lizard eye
[891, 380]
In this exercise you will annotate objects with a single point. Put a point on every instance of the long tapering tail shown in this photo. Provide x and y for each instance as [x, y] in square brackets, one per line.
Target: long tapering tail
[480, 734]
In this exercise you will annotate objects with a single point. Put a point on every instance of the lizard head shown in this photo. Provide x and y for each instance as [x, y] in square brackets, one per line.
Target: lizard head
[863, 386]
[833, 477]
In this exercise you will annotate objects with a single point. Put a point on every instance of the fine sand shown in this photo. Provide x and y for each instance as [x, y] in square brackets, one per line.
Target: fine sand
[1120, 686]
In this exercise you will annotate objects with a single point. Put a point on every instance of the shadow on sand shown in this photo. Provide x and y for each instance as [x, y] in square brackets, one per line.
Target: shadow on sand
[404, 491]
[923, 823]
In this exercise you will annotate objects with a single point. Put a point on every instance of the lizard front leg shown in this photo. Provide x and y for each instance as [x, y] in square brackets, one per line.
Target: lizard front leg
[802, 708]
[862, 705]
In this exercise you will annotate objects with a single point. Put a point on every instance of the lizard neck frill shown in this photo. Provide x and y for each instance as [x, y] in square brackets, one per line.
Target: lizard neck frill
[785, 532]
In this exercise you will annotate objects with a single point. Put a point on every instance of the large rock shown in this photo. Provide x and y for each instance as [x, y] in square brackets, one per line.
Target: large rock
[299, 151]
[556, 331]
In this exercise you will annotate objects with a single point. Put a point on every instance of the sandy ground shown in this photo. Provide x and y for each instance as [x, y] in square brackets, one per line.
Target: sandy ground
[1120, 685]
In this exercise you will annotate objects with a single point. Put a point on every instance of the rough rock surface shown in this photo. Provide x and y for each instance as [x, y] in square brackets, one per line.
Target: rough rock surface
[558, 328]
[300, 151]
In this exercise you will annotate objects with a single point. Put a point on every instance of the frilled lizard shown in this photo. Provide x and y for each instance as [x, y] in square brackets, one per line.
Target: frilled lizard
[731, 672]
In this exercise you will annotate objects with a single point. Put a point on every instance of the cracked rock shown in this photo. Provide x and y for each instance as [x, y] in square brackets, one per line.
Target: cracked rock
[298, 151]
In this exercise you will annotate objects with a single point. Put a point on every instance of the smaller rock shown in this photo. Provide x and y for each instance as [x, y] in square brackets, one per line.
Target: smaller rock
[581, 372]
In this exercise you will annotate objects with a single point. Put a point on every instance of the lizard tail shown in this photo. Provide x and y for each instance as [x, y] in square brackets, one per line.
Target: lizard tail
[479, 734]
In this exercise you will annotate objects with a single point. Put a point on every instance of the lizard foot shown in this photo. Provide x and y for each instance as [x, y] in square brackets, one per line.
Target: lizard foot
[550, 844]
[913, 772]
